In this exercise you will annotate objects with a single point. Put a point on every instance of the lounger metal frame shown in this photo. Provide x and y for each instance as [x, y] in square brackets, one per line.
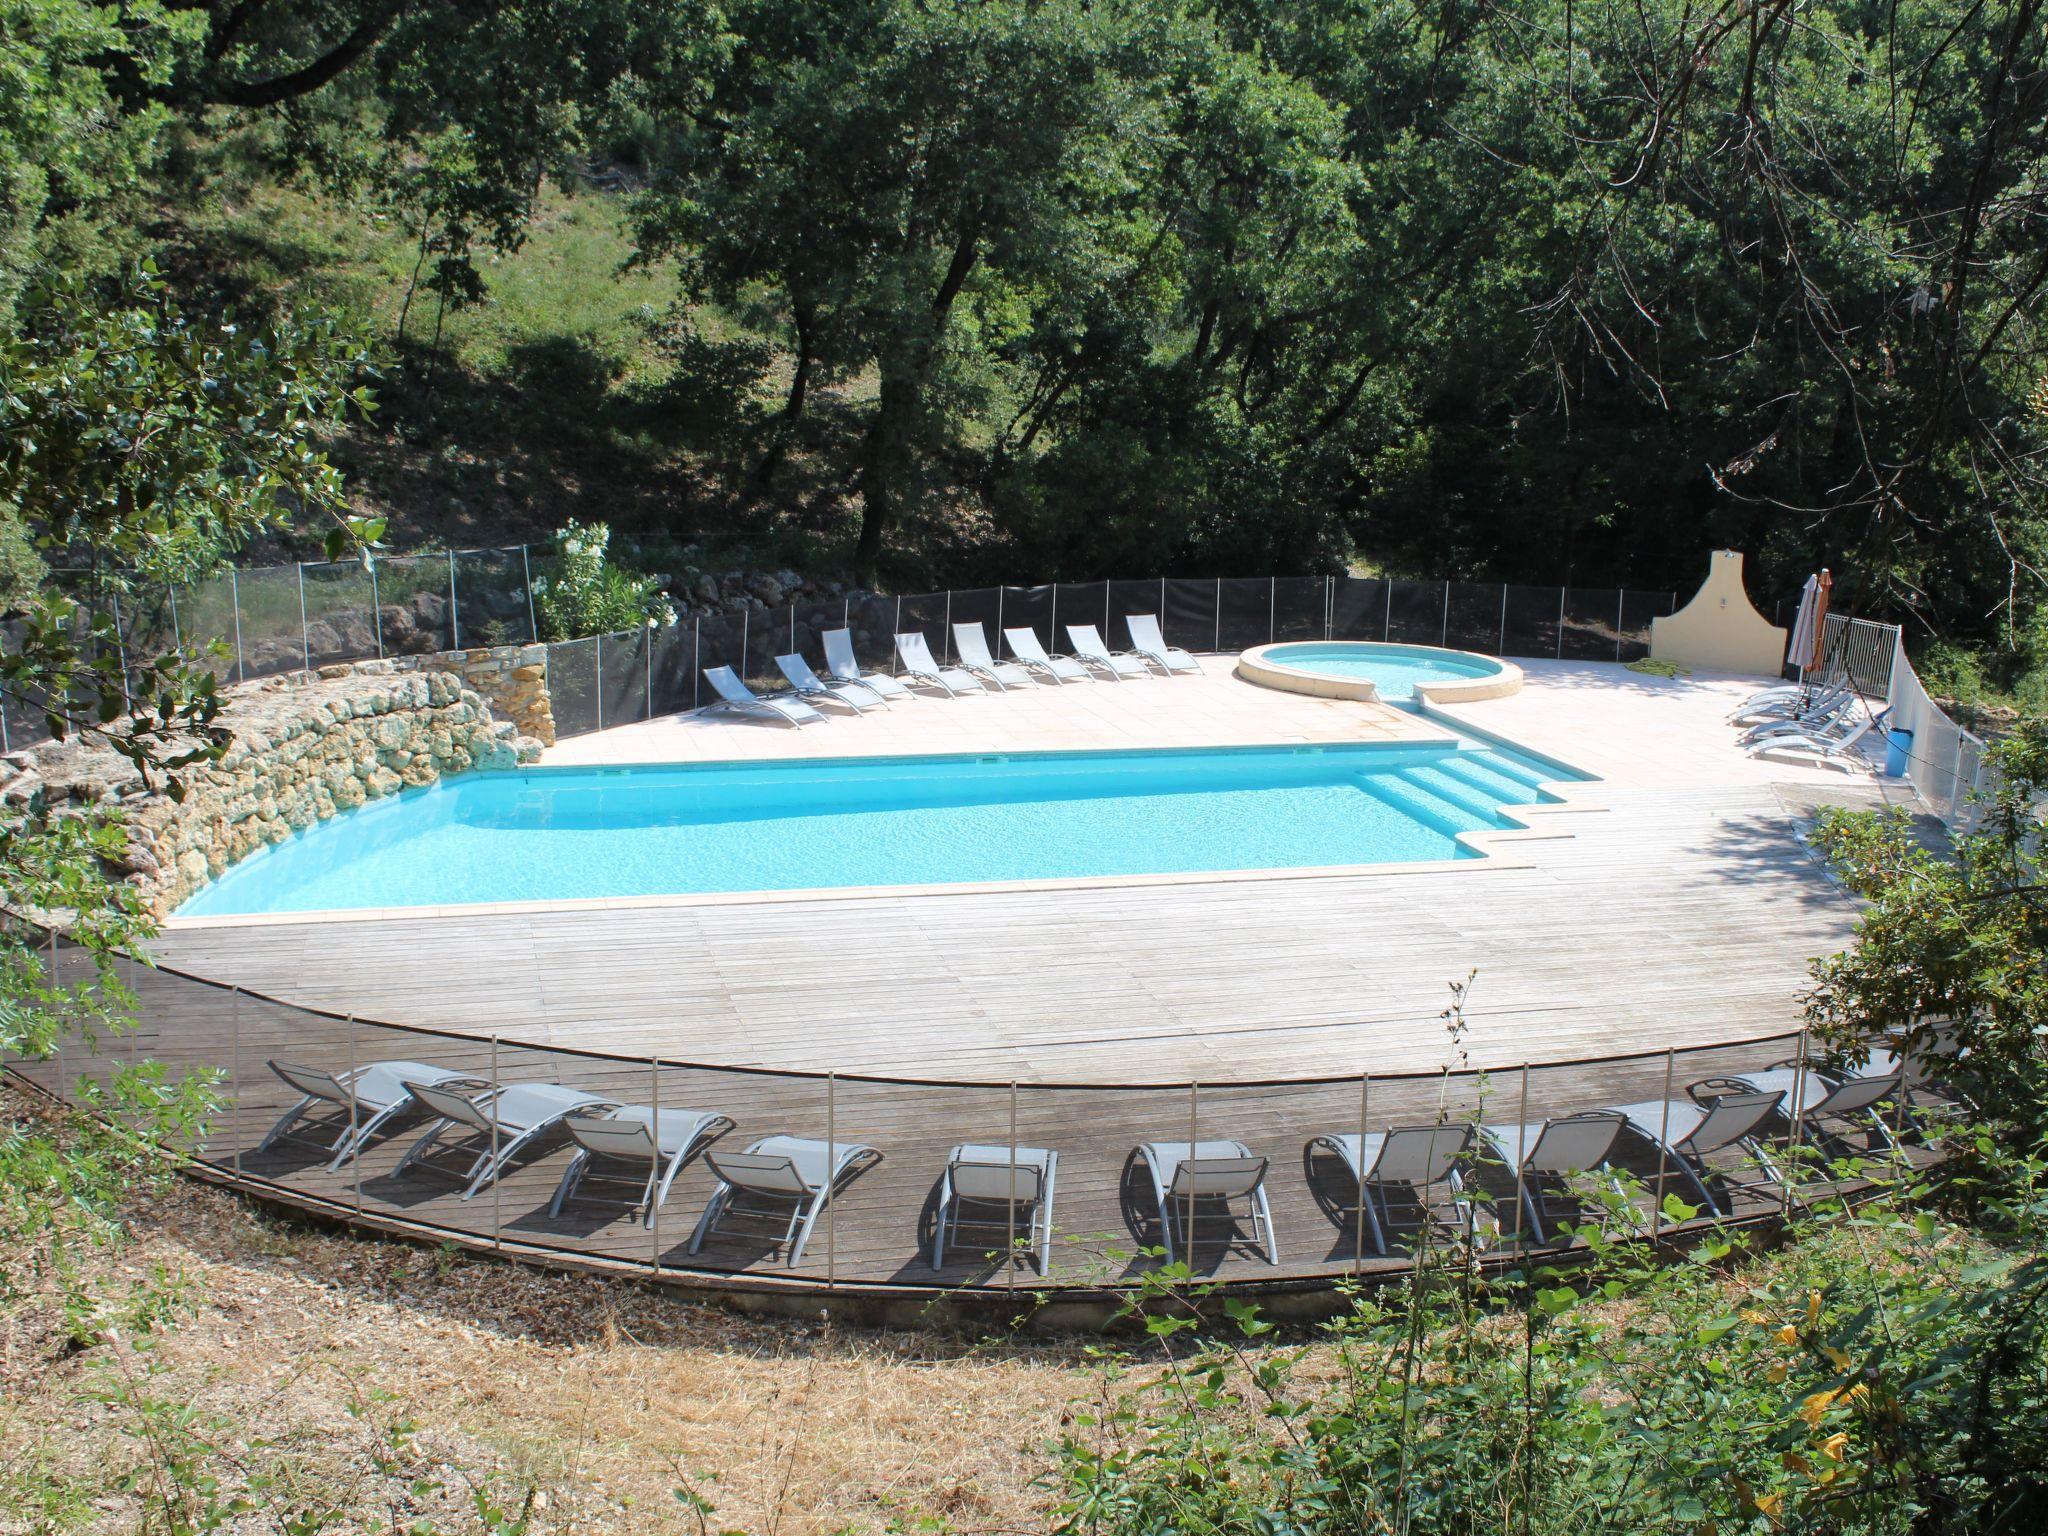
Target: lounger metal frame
[804, 1204]
[338, 1093]
[1372, 1180]
[603, 1139]
[734, 694]
[1217, 1181]
[480, 1116]
[1032, 1200]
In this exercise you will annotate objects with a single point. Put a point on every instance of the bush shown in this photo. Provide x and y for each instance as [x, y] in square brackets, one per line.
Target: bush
[586, 595]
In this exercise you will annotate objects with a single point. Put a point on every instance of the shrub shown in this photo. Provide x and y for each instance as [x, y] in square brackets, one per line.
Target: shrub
[586, 595]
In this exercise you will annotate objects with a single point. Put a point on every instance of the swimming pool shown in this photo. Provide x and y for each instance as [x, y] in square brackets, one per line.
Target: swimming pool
[1372, 669]
[560, 834]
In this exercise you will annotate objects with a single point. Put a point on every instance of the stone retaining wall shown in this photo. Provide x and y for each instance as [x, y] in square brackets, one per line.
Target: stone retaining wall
[513, 680]
[305, 746]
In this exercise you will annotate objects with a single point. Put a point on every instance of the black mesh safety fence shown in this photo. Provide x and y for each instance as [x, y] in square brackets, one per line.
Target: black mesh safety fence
[873, 622]
[493, 605]
[878, 1227]
[925, 615]
[206, 625]
[767, 637]
[1534, 618]
[1030, 608]
[1125, 599]
[977, 605]
[272, 620]
[1358, 608]
[1473, 616]
[1080, 602]
[810, 622]
[143, 620]
[1637, 610]
[1188, 616]
[625, 681]
[1592, 624]
[23, 718]
[673, 683]
[1245, 613]
[721, 642]
[415, 610]
[1301, 607]
[574, 687]
[341, 612]
[1415, 612]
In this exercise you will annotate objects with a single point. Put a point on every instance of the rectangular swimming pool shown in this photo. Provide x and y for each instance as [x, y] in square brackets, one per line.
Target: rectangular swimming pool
[558, 834]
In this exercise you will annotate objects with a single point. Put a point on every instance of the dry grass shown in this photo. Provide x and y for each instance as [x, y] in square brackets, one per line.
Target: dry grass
[302, 1349]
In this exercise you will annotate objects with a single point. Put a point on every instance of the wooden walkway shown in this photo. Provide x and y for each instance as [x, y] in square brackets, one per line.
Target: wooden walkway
[1671, 917]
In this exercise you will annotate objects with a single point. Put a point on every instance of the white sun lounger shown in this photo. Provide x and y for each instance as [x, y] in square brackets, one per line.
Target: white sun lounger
[1415, 1157]
[370, 1097]
[625, 1137]
[1790, 701]
[1553, 1150]
[1831, 714]
[1209, 1179]
[1024, 645]
[1820, 1101]
[808, 685]
[1088, 647]
[735, 695]
[1010, 1188]
[1836, 748]
[1147, 641]
[789, 1177]
[1685, 1131]
[971, 642]
[919, 665]
[844, 667]
[502, 1122]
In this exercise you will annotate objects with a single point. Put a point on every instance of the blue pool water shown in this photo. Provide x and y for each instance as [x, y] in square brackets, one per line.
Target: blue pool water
[1394, 669]
[555, 834]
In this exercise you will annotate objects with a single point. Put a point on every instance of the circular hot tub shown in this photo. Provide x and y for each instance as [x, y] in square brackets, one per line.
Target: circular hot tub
[1380, 672]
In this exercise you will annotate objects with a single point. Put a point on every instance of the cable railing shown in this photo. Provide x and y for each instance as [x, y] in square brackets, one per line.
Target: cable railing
[1104, 1220]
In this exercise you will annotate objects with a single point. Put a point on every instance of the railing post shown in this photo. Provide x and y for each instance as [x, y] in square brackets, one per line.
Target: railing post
[454, 608]
[121, 650]
[377, 607]
[1562, 592]
[177, 634]
[497, 1173]
[1105, 611]
[5, 744]
[1010, 1251]
[654, 1189]
[597, 677]
[305, 630]
[1329, 606]
[235, 1077]
[696, 656]
[1162, 607]
[1387, 622]
[1522, 1229]
[1364, 1130]
[63, 1075]
[1663, 1154]
[946, 640]
[1444, 630]
[135, 1028]
[532, 617]
[831, 1179]
[355, 1152]
[1187, 1226]
[1503, 620]
[1798, 1123]
[1620, 611]
[647, 653]
[1272, 605]
[1216, 644]
[235, 603]
[892, 633]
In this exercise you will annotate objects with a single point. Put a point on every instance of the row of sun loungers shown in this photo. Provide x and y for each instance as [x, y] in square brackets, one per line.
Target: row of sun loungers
[1823, 724]
[975, 669]
[478, 1129]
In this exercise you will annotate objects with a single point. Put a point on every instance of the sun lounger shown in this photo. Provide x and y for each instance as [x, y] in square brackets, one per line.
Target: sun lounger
[808, 685]
[625, 1140]
[501, 1123]
[1684, 1131]
[1209, 1178]
[735, 695]
[1820, 1101]
[1008, 1190]
[920, 666]
[370, 1098]
[1148, 641]
[970, 641]
[844, 668]
[1552, 1151]
[1790, 701]
[1832, 714]
[1413, 1157]
[1088, 647]
[1836, 748]
[1024, 645]
[789, 1179]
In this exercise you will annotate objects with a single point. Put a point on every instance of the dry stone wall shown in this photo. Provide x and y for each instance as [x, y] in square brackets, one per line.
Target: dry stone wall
[305, 747]
[513, 680]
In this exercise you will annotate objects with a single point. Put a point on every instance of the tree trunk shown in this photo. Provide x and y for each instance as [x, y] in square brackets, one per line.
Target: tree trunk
[805, 315]
[885, 456]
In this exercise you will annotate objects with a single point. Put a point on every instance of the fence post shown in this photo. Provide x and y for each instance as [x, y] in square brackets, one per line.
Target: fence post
[1798, 1123]
[1620, 610]
[121, 652]
[235, 602]
[177, 634]
[1329, 606]
[497, 1180]
[1387, 622]
[1216, 645]
[648, 653]
[376, 608]
[654, 1189]
[235, 1077]
[892, 633]
[1364, 1130]
[1000, 642]
[305, 631]
[1272, 609]
[1503, 620]
[1663, 1154]
[62, 1074]
[946, 640]
[831, 1179]
[532, 618]
[454, 608]
[5, 745]
[1522, 1231]
[1187, 1226]
[696, 656]
[1444, 631]
[597, 678]
[1010, 1252]
[1162, 607]
[1561, 593]
[355, 1152]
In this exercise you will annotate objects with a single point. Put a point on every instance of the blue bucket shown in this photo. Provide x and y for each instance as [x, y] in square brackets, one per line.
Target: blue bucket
[1898, 748]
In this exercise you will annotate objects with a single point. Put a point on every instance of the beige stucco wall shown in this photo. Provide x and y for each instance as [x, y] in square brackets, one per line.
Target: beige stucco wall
[1719, 630]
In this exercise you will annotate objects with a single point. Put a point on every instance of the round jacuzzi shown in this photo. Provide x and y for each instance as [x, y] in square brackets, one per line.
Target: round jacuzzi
[1379, 671]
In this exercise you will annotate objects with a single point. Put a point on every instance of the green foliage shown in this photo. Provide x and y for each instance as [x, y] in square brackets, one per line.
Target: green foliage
[584, 594]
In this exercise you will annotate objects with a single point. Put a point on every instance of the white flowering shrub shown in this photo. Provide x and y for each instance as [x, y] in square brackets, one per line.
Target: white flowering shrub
[586, 595]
